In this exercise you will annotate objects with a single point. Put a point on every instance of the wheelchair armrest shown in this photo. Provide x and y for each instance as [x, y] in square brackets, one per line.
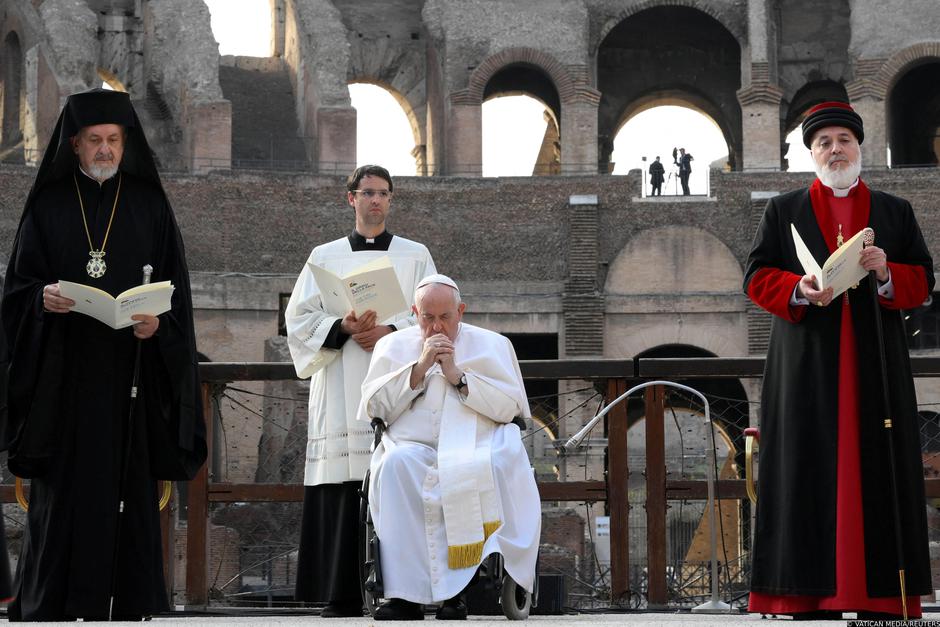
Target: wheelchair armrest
[519, 421]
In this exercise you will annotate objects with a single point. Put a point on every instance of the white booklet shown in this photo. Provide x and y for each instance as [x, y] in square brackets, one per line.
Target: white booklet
[152, 299]
[371, 286]
[842, 269]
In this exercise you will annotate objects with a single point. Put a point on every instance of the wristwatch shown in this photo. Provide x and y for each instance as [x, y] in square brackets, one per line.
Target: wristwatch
[462, 382]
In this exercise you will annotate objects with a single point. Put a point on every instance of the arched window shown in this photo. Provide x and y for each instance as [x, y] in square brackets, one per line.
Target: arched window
[520, 137]
[670, 53]
[914, 116]
[656, 131]
[384, 134]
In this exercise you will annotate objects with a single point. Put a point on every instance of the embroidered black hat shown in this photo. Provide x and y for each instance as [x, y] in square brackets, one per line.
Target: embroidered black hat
[832, 113]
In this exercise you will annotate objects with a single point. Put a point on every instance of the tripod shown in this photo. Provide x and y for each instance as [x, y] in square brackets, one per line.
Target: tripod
[674, 177]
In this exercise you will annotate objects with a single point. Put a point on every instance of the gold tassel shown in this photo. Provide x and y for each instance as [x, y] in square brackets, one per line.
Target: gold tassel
[489, 528]
[464, 555]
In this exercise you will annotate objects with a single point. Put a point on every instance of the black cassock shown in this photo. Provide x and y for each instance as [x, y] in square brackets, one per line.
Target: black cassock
[69, 395]
[794, 552]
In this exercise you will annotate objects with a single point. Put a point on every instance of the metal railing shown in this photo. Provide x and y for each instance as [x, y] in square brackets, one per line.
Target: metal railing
[612, 377]
[219, 566]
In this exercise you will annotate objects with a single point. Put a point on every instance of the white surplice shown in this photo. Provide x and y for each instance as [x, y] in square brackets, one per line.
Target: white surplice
[406, 496]
[338, 447]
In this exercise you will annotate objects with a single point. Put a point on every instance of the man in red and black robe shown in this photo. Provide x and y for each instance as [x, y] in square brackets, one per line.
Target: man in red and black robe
[825, 536]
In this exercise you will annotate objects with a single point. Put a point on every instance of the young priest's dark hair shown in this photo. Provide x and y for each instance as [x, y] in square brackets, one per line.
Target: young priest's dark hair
[352, 183]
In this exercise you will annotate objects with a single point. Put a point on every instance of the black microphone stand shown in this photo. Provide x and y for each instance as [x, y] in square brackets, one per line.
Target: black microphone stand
[122, 485]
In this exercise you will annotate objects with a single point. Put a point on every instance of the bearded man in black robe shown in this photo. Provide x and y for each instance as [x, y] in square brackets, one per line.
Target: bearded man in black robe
[96, 214]
[825, 536]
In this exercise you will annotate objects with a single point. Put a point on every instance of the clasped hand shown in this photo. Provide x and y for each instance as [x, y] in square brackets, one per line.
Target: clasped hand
[363, 329]
[437, 349]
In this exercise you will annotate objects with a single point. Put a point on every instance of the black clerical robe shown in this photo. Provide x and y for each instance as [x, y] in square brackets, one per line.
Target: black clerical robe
[69, 396]
[795, 548]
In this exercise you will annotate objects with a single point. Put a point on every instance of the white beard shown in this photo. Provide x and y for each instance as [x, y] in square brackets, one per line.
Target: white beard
[102, 173]
[844, 177]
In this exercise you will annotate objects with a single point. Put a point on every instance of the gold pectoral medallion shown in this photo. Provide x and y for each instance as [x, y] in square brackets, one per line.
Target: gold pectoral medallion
[96, 267]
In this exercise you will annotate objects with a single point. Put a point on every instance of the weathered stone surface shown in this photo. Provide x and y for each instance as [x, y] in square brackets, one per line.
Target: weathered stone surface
[182, 56]
[475, 29]
[879, 28]
[72, 39]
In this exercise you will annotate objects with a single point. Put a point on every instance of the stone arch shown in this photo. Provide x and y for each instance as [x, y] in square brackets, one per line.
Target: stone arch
[692, 101]
[650, 271]
[578, 111]
[476, 85]
[699, 61]
[14, 92]
[902, 61]
[733, 27]
[911, 80]
[668, 260]
[808, 95]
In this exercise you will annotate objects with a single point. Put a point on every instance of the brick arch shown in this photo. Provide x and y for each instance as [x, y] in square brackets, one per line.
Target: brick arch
[667, 259]
[559, 75]
[699, 5]
[668, 332]
[901, 61]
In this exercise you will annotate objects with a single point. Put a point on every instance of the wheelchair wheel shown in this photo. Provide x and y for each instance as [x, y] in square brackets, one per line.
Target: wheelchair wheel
[515, 600]
[370, 576]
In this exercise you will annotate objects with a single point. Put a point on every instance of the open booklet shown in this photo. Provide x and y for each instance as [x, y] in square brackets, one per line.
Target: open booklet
[152, 299]
[371, 286]
[842, 269]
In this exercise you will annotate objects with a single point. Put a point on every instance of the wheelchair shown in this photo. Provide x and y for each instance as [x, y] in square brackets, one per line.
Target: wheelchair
[515, 601]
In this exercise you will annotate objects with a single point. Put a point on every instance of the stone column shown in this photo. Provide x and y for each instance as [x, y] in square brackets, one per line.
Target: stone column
[277, 27]
[760, 96]
[867, 94]
[208, 135]
[420, 154]
[579, 133]
[336, 140]
[760, 121]
[463, 146]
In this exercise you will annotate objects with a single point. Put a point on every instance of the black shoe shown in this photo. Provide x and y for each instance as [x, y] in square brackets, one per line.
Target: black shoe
[399, 609]
[452, 609]
[818, 615]
[342, 609]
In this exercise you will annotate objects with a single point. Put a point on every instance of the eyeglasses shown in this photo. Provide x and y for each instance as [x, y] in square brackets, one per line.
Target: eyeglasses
[372, 193]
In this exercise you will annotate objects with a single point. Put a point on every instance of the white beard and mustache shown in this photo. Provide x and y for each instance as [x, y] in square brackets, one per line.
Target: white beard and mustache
[842, 178]
[102, 173]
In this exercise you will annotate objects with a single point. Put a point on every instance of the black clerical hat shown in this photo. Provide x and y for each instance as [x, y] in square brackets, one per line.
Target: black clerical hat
[98, 106]
[88, 108]
[832, 113]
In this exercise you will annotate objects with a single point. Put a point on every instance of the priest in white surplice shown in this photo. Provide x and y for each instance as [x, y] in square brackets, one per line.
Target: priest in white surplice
[451, 481]
[334, 352]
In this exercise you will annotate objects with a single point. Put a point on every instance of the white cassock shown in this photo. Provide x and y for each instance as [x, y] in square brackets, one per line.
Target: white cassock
[451, 481]
[338, 447]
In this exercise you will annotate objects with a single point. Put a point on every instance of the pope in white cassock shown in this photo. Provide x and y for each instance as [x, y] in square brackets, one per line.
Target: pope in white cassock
[451, 481]
[334, 351]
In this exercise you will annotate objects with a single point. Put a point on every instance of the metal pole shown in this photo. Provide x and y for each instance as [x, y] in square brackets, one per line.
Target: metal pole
[125, 463]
